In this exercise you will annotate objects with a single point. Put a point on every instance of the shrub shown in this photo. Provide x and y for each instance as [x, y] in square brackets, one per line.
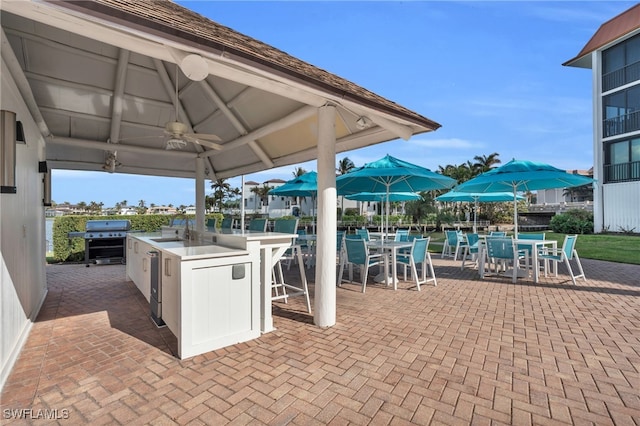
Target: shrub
[573, 222]
[72, 250]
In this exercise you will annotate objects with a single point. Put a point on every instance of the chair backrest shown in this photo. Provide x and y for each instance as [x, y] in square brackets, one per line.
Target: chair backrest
[212, 224]
[419, 249]
[472, 239]
[353, 237]
[340, 239]
[538, 236]
[288, 226]
[413, 237]
[356, 251]
[452, 237]
[402, 235]
[498, 234]
[258, 225]
[500, 248]
[569, 245]
[227, 223]
[364, 234]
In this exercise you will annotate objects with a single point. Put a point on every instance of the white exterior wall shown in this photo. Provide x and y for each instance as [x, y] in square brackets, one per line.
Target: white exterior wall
[22, 236]
[621, 202]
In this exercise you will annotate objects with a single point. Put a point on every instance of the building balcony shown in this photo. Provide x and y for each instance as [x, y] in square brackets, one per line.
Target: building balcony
[623, 172]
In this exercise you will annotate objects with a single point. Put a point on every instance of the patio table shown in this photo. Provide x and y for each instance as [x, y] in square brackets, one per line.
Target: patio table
[534, 246]
[392, 247]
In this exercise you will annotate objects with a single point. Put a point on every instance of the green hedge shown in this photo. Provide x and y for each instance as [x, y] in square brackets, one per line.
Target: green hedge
[72, 250]
[573, 222]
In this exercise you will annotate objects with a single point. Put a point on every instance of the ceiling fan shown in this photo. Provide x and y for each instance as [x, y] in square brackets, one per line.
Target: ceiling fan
[178, 131]
[178, 137]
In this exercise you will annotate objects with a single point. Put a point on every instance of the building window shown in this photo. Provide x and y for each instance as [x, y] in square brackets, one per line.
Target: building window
[621, 112]
[622, 161]
[621, 64]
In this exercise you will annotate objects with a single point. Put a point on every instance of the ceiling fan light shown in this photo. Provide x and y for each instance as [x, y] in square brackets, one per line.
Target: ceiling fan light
[175, 143]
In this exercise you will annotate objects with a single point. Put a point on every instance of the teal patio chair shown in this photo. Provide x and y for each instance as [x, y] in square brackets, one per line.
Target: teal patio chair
[212, 225]
[358, 254]
[364, 234]
[504, 250]
[453, 243]
[258, 225]
[566, 254]
[523, 247]
[227, 223]
[340, 237]
[402, 235]
[419, 255]
[471, 249]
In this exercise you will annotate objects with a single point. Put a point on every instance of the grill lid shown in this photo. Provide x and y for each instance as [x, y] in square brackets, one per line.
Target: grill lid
[107, 225]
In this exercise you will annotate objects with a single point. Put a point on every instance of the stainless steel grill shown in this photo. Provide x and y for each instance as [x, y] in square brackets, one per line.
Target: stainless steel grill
[104, 241]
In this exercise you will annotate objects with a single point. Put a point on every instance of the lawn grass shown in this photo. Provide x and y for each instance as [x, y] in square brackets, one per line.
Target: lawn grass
[610, 247]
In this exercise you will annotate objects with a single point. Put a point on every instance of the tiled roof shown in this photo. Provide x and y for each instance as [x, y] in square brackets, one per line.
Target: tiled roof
[611, 30]
[169, 20]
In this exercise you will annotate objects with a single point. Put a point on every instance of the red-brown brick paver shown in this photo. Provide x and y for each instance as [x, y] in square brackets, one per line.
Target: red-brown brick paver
[468, 351]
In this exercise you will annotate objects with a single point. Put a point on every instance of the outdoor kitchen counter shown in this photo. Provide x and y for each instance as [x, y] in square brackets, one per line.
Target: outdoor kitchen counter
[207, 294]
[188, 249]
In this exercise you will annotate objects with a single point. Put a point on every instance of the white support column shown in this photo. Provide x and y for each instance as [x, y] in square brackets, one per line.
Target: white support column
[325, 293]
[199, 196]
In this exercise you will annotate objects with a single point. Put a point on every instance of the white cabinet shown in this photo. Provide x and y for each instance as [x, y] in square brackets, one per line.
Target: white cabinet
[220, 304]
[210, 294]
[138, 265]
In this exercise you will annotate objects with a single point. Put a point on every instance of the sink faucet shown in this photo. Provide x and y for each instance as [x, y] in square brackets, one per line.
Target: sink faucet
[187, 234]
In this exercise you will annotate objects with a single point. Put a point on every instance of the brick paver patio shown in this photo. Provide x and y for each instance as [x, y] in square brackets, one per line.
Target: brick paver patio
[466, 351]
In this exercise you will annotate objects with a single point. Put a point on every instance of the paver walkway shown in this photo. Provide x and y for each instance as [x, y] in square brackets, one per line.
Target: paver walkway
[465, 352]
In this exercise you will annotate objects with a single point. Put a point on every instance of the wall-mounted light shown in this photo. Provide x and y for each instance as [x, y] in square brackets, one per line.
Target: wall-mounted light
[46, 183]
[362, 123]
[8, 129]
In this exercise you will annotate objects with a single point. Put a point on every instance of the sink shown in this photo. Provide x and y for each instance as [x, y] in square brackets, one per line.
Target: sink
[166, 239]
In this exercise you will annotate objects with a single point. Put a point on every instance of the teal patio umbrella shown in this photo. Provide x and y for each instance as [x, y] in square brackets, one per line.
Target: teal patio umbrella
[477, 197]
[388, 175]
[305, 185]
[521, 176]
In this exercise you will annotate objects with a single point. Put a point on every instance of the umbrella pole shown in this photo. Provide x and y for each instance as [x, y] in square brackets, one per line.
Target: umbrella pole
[475, 213]
[386, 234]
[515, 212]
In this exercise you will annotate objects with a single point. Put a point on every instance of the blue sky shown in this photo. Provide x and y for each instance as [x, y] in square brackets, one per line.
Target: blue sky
[489, 72]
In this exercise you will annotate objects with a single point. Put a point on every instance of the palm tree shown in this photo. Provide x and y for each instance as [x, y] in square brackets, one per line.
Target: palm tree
[344, 166]
[221, 190]
[263, 193]
[485, 163]
[299, 171]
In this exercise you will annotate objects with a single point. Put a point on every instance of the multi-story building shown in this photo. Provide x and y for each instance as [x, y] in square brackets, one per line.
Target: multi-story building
[613, 54]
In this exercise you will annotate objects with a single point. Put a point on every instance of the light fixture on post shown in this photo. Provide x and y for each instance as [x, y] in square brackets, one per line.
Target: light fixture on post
[175, 143]
[8, 130]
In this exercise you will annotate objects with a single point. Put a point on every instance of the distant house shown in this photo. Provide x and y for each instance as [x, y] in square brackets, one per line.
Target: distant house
[162, 210]
[128, 211]
[567, 195]
[613, 55]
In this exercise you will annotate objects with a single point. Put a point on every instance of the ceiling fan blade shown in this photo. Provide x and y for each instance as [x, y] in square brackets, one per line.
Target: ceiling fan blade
[204, 136]
[203, 142]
